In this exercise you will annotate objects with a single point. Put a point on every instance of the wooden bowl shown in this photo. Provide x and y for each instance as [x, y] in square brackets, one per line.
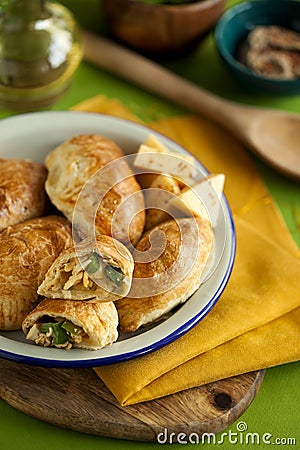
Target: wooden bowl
[162, 30]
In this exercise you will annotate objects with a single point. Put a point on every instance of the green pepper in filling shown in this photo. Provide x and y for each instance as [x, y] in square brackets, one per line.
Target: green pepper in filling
[71, 328]
[114, 274]
[59, 335]
[45, 327]
[94, 264]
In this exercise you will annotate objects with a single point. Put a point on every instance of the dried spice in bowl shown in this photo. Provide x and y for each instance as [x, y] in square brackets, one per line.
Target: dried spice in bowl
[272, 51]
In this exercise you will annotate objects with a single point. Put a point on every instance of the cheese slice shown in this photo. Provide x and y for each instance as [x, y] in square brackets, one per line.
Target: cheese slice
[156, 144]
[154, 159]
[202, 200]
[158, 147]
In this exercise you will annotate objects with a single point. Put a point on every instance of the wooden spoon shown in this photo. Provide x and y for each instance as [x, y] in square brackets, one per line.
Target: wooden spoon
[273, 135]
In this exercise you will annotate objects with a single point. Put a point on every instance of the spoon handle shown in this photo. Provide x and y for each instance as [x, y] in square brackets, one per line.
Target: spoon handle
[150, 75]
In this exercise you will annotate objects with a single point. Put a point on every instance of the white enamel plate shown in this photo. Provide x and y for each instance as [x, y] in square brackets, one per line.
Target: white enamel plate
[32, 136]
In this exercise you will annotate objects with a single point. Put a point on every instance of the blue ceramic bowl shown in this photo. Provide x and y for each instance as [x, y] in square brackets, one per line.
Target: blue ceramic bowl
[233, 28]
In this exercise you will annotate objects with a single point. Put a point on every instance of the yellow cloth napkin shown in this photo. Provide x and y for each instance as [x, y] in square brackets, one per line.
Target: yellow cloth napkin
[256, 322]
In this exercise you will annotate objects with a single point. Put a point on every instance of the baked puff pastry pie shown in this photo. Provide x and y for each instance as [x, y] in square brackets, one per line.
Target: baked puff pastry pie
[175, 254]
[109, 199]
[22, 193]
[98, 270]
[27, 250]
[67, 323]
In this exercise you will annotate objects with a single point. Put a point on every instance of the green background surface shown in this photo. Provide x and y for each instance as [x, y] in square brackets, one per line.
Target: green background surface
[275, 409]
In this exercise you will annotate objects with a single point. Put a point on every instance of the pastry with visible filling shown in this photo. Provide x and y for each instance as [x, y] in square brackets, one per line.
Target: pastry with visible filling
[95, 270]
[175, 255]
[22, 193]
[27, 250]
[67, 323]
[110, 198]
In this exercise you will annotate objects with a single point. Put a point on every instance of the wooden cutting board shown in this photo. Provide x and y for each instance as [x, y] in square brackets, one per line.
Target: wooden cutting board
[77, 399]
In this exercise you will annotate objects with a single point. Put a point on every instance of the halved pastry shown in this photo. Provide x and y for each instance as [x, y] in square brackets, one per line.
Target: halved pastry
[67, 323]
[175, 254]
[86, 172]
[95, 269]
[27, 250]
[22, 193]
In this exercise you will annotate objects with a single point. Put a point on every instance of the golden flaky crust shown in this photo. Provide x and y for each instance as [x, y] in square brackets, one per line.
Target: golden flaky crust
[72, 164]
[182, 260]
[22, 193]
[98, 320]
[69, 264]
[26, 252]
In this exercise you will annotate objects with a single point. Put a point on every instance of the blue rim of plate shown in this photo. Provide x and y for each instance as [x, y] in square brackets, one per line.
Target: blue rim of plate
[175, 334]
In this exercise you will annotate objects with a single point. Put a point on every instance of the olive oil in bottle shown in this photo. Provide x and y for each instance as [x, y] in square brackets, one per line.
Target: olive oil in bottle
[40, 50]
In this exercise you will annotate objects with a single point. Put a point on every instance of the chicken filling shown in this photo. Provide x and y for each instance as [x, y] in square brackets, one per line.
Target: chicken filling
[73, 275]
[56, 333]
